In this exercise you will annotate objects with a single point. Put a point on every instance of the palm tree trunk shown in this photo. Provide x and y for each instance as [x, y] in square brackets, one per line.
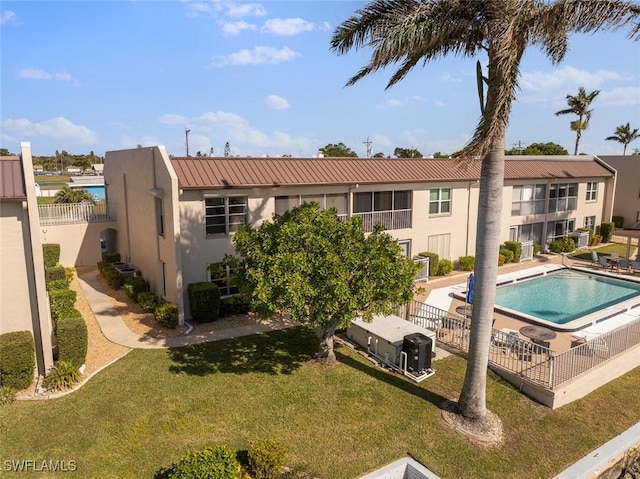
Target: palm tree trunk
[471, 403]
[578, 135]
[624, 150]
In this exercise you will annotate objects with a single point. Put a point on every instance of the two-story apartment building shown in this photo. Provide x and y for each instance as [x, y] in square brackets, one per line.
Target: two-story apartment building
[176, 215]
[627, 204]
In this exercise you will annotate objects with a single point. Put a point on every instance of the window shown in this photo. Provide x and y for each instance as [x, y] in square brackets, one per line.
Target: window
[159, 216]
[336, 201]
[439, 244]
[563, 197]
[221, 275]
[163, 272]
[590, 222]
[406, 247]
[528, 200]
[560, 229]
[439, 201]
[527, 232]
[224, 215]
[370, 201]
[592, 191]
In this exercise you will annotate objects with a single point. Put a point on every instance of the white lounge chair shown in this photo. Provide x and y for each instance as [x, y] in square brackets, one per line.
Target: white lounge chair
[594, 258]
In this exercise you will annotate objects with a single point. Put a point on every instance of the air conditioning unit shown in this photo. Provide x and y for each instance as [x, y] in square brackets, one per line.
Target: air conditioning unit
[418, 349]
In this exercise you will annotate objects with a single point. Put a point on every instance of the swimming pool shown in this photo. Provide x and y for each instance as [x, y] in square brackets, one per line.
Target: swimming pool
[567, 299]
[95, 190]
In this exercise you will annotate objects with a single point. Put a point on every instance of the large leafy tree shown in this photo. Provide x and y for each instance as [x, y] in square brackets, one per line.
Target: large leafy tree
[579, 105]
[408, 32]
[548, 148]
[339, 150]
[625, 135]
[406, 153]
[321, 270]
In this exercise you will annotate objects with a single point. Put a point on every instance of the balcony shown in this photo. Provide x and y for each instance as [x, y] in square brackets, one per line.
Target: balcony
[390, 220]
[73, 213]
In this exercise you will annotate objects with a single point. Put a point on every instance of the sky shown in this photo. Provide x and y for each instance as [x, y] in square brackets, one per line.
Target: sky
[98, 76]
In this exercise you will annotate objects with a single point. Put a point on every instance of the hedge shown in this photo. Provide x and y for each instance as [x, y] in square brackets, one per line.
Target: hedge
[51, 254]
[606, 230]
[508, 255]
[233, 305]
[72, 340]
[467, 263]
[166, 314]
[433, 262]
[134, 286]
[618, 221]
[60, 298]
[445, 266]
[113, 277]
[266, 458]
[204, 298]
[516, 248]
[17, 351]
[52, 273]
[216, 462]
[111, 257]
[147, 300]
[57, 284]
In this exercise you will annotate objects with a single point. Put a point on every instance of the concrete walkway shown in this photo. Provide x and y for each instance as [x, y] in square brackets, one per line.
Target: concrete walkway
[115, 330]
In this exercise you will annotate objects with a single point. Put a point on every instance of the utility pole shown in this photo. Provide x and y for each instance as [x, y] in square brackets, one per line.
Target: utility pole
[368, 142]
[519, 146]
[186, 137]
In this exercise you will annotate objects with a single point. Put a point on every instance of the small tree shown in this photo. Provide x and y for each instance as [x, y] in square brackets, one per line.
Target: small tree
[322, 271]
[340, 150]
[73, 195]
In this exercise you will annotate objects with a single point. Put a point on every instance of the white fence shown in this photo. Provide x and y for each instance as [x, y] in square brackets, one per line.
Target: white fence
[526, 253]
[72, 213]
[423, 274]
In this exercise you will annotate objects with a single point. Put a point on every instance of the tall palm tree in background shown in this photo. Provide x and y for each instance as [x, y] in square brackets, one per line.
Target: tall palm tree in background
[579, 105]
[625, 136]
[406, 32]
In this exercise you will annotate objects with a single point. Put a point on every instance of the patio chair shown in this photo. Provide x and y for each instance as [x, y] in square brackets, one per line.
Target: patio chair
[635, 266]
[615, 255]
[594, 258]
[624, 265]
[505, 340]
[602, 261]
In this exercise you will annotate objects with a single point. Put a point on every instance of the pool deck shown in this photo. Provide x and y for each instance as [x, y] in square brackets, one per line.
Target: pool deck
[439, 292]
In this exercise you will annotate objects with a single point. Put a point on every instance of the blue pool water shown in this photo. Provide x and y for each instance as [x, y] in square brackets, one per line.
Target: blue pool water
[564, 296]
[95, 190]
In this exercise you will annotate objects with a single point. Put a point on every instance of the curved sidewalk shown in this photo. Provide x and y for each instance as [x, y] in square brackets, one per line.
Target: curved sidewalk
[115, 330]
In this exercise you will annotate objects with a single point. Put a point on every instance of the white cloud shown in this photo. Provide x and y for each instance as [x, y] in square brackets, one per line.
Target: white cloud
[234, 9]
[40, 74]
[287, 26]
[621, 96]
[553, 86]
[399, 102]
[58, 128]
[226, 8]
[275, 102]
[447, 78]
[235, 28]
[7, 17]
[260, 55]
[195, 9]
[439, 103]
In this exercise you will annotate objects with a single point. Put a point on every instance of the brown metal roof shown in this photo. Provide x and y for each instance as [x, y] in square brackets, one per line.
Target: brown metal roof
[11, 179]
[228, 172]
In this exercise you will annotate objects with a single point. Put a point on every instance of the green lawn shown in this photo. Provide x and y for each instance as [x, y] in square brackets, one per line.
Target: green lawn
[151, 406]
[621, 249]
[44, 179]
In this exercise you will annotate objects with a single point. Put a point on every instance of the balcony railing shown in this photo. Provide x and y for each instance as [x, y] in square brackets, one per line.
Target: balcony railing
[73, 213]
[391, 220]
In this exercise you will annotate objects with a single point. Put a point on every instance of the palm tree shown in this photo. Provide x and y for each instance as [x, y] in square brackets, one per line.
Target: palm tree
[73, 195]
[625, 136]
[579, 105]
[407, 32]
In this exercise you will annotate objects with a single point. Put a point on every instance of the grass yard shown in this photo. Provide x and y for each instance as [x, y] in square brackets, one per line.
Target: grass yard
[151, 406]
[46, 179]
[621, 249]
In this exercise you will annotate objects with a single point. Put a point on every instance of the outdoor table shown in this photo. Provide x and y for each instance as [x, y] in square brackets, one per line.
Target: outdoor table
[613, 262]
[538, 333]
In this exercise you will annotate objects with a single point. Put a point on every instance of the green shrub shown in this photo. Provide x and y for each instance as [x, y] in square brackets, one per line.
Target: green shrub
[7, 395]
[57, 284]
[63, 311]
[556, 246]
[433, 262]
[52, 273]
[606, 230]
[51, 254]
[596, 239]
[266, 458]
[62, 375]
[102, 265]
[113, 277]
[508, 255]
[134, 286]
[467, 263]
[111, 257]
[215, 462]
[147, 300]
[536, 248]
[69, 273]
[501, 260]
[233, 305]
[71, 334]
[618, 221]
[516, 248]
[62, 297]
[562, 245]
[445, 266]
[204, 299]
[17, 351]
[166, 314]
